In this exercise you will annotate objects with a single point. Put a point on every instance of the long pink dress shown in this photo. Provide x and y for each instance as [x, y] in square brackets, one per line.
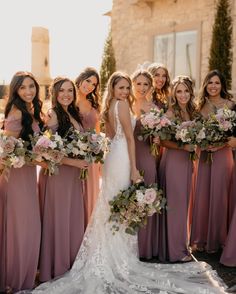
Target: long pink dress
[228, 256]
[232, 195]
[91, 184]
[210, 211]
[145, 161]
[20, 227]
[62, 212]
[176, 173]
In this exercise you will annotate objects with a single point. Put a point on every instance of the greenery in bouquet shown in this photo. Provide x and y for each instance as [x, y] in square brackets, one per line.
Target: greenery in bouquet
[189, 132]
[12, 153]
[50, 148]
[216, 130]
[89, 146]
[133, 206]
[155, 124]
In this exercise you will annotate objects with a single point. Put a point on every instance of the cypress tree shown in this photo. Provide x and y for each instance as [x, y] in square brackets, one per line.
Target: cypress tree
[221, 44]
[108, 65]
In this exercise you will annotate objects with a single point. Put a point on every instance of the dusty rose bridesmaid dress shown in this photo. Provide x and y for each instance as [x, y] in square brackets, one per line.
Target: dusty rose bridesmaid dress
[228, 256]
[176, 174]
[145, 161]
[20, 227]
[232, 195]
[62, 213]
[210, 211]
[91, 185]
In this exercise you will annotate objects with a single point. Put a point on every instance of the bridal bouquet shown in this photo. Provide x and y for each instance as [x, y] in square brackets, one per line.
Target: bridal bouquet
[189, 132]
[89, 146]
[132, 206]
[48, 147]
[155, 124]
[12, 153]
[216, 129]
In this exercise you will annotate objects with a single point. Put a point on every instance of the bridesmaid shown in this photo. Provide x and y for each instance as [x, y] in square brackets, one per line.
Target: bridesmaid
[228, 256]
[19, 206]
[209, 231]
[88, 101]
[161, 93]
[142, 83]
[62, 205]
[177, 185]
[161, 79]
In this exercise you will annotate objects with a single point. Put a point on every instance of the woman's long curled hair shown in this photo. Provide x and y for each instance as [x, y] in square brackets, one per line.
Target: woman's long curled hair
[160, 96]
[203, 94]
[15, 100]
[93, 97]
[190, 107]
[113, 80]
[64, 123]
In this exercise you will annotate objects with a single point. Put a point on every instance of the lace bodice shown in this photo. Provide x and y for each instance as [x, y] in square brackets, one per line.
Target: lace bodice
[119, 130]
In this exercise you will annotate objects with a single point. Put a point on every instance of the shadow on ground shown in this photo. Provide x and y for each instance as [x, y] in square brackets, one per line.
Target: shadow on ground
[227, 274]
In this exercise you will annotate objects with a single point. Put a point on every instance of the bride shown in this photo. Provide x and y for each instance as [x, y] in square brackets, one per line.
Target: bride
[106, 262]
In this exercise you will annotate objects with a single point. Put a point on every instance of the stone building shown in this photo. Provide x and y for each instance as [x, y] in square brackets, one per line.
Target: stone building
[174, 32]
[40, 65]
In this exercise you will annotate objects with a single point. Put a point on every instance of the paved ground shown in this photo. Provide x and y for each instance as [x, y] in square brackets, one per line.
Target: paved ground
[227, 274]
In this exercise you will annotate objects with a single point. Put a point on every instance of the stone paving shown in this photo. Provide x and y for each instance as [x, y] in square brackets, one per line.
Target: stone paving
[227, 274]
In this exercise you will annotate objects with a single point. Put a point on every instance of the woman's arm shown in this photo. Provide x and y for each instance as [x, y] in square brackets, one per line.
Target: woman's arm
[75, 162]
[14, 115]
[232, 142]
[125, 120]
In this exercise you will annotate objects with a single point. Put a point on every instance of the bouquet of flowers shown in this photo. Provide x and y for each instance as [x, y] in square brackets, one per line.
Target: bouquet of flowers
[216, 129]
[132, 206]
[155, 124]
[48, 147]
[89, 146]
[189, 132]
[12, 153]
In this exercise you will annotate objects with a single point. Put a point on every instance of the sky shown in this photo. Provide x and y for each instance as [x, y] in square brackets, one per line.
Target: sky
[77, 33]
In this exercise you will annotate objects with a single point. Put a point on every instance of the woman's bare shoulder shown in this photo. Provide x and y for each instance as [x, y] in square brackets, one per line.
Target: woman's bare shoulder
[14, 113]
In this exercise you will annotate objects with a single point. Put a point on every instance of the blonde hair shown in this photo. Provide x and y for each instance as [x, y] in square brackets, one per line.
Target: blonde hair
[109, 95]
[163, 93]
[145, 73]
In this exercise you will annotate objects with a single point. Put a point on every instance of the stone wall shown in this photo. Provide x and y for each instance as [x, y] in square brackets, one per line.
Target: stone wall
[135, 23]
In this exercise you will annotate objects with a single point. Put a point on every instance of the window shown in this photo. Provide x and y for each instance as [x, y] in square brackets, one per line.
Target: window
[178, 51]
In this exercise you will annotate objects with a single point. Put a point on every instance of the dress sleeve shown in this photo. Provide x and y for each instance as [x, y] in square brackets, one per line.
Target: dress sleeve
[12, 124]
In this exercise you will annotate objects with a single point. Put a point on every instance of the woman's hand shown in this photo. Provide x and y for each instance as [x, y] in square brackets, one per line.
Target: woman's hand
[42, 164]
[214, 148]
[156, 140]
[232, 142]
[1, 164]
[135, 176]
[190, 148]
[83, 164]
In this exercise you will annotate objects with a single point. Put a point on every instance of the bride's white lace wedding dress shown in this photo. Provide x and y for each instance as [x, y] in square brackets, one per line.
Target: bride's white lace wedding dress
[108, 263]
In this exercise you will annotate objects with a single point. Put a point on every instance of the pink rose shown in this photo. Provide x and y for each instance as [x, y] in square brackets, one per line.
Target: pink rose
[9, 145]
[56, 156]
[150, 196]
[44, 142]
